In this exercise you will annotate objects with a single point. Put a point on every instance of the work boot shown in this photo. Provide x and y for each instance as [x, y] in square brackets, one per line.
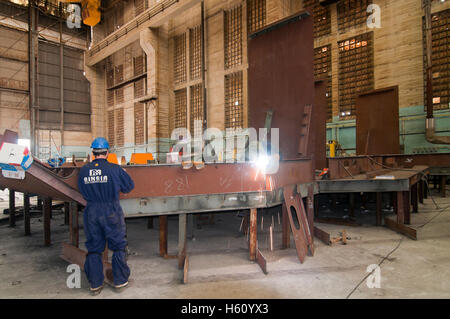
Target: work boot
[96, 291]
[120, 288]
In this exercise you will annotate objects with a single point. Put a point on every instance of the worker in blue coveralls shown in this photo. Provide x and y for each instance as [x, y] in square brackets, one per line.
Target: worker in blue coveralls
[100, 183]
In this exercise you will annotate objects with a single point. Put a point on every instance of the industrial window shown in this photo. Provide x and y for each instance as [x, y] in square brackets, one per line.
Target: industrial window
[195, 53]
[322, 69]
[355, 71]
[321, 15]
[233, 37]
[181, 108]
[119, 127]
[139, 65]
[139, 88]
[119, 95]
[118, 76]
[110, 78]
[119, 10]
[440, 57]
[114, 18]
[234, 100]
[196, 108]
[139, 127]
[111, 127]
[179, 63]
[110, 21]
[140, 6]
[110, 97]
[256, 15]
[352, 13]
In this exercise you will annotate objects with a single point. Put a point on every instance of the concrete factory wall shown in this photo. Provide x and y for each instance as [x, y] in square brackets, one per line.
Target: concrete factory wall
[398, 60]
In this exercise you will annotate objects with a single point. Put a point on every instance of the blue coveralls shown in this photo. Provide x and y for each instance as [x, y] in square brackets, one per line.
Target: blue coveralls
[100, 183]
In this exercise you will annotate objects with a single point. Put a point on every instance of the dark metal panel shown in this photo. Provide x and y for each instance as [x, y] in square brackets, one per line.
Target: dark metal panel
[76, 89]
[281, 78]
[377, 122]
[318, 139]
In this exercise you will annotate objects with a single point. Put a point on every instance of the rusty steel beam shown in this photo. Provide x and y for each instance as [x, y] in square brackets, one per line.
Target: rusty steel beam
[169, 180]
[302, 236]
[163, 236]
[310, 210]
[77, 256]
[185, 269]
[73, 224]
[42, 181]
[286, 241]
[182, 231]
[253, 233]
[261, 260]
[401, 228]
[322, 235]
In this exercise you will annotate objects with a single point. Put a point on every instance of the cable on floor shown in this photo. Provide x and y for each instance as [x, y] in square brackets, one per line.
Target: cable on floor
[379, 265]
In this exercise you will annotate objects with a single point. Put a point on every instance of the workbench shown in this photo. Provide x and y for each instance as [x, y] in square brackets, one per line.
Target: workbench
[407, 186]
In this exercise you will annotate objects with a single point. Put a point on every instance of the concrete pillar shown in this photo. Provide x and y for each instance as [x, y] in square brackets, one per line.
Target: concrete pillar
[155, 44]
[96, 76]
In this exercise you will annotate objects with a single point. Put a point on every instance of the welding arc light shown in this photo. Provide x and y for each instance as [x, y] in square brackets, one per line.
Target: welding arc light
[262, 162]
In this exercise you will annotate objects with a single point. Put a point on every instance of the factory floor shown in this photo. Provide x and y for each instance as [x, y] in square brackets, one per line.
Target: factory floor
[219, 265]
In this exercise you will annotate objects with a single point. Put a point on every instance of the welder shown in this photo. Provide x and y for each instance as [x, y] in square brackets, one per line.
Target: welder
[100, 183]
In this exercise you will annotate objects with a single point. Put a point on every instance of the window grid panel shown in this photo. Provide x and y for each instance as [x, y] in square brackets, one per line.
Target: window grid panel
[181, 108]
[140, 6]
[440, 57]
[110, 78]
[352, 13]
[119, 127]
[322, 69]
[256, 15]
[119, 10]
[138, 64]
[110, 97]
[119, 95]
[139, 126]
[234, 100]
[356, 71]
[321, 15]
[118, 74]
[179, 63]
[196, 108]
[111, 127]
[139, 88]
[233, 37]
[195, 53]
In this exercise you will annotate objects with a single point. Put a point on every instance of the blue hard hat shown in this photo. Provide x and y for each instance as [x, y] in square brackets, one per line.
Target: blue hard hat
[100, 143]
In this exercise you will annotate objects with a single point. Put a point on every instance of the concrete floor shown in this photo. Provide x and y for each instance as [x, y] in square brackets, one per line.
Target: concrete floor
[219, 265]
